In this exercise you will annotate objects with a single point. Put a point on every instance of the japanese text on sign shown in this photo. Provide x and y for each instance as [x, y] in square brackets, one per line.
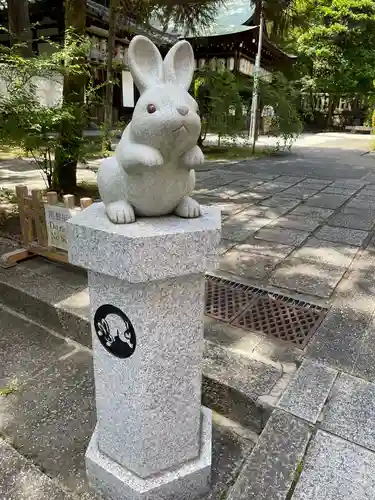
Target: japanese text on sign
[56, 218]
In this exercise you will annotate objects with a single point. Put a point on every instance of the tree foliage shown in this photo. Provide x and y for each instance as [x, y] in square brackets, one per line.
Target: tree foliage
[25, 121]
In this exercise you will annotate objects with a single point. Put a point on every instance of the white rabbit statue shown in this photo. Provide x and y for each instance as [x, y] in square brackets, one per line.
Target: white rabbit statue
[152, 172]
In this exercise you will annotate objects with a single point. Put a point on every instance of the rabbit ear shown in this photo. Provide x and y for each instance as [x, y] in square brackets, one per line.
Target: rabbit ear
[145, 63]
[179, 64]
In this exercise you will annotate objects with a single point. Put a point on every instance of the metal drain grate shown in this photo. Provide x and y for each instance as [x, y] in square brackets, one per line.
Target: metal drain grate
[225, 299]
[283, 318]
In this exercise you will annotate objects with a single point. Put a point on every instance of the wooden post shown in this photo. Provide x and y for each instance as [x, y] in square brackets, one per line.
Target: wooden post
[52, 198]
[39, 217]
[26, 226]
[86, 202]
[69, 201]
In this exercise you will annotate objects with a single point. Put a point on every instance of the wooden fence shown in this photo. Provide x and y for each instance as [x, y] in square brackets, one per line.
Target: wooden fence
[34, 231]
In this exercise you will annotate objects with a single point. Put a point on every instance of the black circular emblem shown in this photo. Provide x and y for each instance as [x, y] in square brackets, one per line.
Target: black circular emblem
[115, 331]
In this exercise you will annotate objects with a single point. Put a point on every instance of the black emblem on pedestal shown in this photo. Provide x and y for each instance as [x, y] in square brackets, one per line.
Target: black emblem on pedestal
[115, 331]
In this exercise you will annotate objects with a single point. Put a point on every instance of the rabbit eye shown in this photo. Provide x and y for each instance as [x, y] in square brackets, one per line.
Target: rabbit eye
[151, 108]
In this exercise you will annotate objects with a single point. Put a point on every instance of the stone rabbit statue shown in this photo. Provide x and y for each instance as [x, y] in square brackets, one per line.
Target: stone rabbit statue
[152, 172]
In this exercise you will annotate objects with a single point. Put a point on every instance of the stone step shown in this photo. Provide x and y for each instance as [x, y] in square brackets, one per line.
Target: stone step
[21, 480]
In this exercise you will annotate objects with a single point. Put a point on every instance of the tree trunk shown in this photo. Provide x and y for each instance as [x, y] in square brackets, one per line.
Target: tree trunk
[67, 151]
[19, 25]
[108, 103]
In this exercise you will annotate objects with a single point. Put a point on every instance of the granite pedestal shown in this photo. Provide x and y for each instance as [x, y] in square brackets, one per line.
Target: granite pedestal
[146, 281]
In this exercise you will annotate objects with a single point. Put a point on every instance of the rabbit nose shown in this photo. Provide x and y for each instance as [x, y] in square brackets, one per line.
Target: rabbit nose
[183, 110]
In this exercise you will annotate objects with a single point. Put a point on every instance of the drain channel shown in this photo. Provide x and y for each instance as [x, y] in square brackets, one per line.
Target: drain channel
[283, 318]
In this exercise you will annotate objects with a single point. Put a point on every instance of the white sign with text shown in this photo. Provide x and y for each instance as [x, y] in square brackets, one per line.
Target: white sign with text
[56, 218]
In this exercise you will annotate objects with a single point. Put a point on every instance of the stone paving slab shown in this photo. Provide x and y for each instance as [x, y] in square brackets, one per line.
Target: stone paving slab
[280, 201]
[326, 253]
[250, 197]
[263, 247]
[331, 201]
[300, 192]
[239, 231]
[273, 187]
[269, 471]
[308, 391]
[338, 339]
[21, 480]
[307, 277]
[353, 218]
[340, 234]
[51, 418]
[362, 202]
[28, 348]
[364, 365]
[248, 264]
[350, 412]
[296, 222]
[292, 237]
[336, 470]
[314, 212]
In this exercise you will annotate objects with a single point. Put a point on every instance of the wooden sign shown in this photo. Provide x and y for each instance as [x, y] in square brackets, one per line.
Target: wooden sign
[56, 218]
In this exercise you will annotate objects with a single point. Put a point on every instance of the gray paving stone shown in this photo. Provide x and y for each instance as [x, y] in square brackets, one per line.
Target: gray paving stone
[269, 471]
[21, 480]
[33, 350]
[307, 277]
[234, 230]
[248, 264]
[293, 237]
[300, 192]
[362, 202]
[343, 235]
[290, 178]
[331, 201]
[226, 245]
[354, 219]
[336, 470]
[263, 247]
[308, 391]
[338, 339]
[348, 183]
[228, 208]
[51, 418]
[350, 412]
[296, 222]
[314, 183]
[250, 197]
[363, 265]
[364, 366]
[224, 334]
[273, 187]
[339, 190]
[232, 384]
[324, 252]
[280, 201]
[313, 212]
[229, 450]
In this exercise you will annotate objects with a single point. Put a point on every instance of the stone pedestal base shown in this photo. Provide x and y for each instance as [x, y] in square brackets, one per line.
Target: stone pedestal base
[190, 481]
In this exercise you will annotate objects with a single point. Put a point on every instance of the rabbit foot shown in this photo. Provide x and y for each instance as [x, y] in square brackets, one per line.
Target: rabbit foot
[120, 212]
[188, 208]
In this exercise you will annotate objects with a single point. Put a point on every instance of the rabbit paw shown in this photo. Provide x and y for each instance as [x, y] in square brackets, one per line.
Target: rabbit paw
[150, 157]
[120, 212]
[188, 208]
[192, 159]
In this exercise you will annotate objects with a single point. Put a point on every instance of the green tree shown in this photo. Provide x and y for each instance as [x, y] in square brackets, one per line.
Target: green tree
[25, 121]
[336, 51]
[67, 153]
[19, 25]
[218, 94]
